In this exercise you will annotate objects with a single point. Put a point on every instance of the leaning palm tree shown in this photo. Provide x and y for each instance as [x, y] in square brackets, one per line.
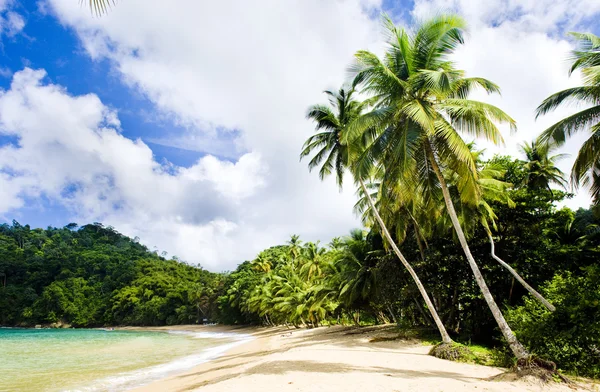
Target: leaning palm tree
[541, 166]
[493, 189]
[429, 220]
[335, 155]
[586, 168]
[415, 127]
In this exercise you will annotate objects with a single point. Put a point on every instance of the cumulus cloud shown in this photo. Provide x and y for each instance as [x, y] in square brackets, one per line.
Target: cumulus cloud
[70, 149]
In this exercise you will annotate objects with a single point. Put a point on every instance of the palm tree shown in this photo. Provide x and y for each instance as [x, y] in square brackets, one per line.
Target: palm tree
[336, 155]
[470, 216]
[421, 108]
[586, 168]
[336, 243]
[294, 247]
[358, 278]
[332, 154]
[311, 259]
[541, 166]
[262, 264]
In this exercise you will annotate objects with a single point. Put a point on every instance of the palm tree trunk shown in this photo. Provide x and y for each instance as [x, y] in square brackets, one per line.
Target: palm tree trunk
[422, 311]
[391, 312]
[514, 273]
[420, 244]
[438, 322]
[418, 236]
[517, 348]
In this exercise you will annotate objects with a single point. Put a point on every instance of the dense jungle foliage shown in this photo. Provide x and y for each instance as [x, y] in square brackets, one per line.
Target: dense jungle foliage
[95, 276]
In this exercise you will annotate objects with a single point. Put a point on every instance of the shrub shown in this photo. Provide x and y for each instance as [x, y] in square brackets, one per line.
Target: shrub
[570, 336]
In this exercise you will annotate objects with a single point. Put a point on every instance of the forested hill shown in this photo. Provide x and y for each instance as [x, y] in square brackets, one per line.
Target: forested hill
[93, 276]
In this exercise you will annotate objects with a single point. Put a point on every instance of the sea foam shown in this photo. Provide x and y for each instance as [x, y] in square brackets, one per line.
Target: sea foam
[145, 376]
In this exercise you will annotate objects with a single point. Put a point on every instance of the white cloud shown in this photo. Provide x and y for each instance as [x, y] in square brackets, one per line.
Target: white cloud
[70, 150]
[14, 23]
[526, 15]
[11, 23]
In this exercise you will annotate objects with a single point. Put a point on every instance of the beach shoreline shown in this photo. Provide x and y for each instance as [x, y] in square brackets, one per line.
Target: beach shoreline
[332, 359]
[259, 339]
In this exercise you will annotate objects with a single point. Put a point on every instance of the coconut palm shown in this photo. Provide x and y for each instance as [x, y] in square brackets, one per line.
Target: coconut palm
[262, 263]
[427, 221]
[541, 166]
[332, 154]
[311, 260]
[294, 246]
[415, 127]
[586, 168]
[402, 213]
[335, 155]
[358, 277]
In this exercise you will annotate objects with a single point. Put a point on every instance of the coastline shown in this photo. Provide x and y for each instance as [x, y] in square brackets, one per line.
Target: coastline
[333, 359]
[260, 342]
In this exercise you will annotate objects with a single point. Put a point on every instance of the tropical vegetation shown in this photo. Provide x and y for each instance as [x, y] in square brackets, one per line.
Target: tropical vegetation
[474, 248]
[94, 276]
[586, 168]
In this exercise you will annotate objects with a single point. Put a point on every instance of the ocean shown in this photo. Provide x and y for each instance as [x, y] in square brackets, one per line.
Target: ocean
[100, 360]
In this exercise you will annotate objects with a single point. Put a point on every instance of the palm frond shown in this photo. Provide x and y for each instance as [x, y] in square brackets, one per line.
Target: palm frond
[559, 132]
[587, 160]
[99, 7]
[477, 118]
[583, 94]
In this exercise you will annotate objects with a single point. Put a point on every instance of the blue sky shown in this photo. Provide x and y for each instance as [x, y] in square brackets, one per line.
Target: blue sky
[229, 87]
[46, 44]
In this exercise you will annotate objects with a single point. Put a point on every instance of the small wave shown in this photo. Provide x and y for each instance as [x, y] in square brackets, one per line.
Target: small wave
[212, 335]
[145, 376]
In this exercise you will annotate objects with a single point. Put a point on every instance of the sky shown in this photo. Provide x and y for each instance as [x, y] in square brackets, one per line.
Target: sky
[181, 123]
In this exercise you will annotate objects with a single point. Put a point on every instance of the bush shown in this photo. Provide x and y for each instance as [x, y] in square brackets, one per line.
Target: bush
[570, 336]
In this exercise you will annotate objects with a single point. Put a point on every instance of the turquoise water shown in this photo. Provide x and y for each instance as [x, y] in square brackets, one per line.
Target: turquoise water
[97, 360]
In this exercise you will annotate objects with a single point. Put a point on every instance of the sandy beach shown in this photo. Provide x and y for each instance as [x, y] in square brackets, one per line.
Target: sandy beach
[334, 359]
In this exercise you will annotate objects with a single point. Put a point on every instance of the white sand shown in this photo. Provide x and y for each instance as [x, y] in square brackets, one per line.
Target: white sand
[336, 359]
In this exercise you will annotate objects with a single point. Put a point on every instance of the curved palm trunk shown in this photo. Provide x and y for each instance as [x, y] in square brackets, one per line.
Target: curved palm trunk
[517, 348]
[418, 237]
[438, 322]
[514, 273]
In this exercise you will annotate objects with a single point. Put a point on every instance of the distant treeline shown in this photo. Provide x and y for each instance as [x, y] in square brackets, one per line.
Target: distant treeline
[93, 276]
